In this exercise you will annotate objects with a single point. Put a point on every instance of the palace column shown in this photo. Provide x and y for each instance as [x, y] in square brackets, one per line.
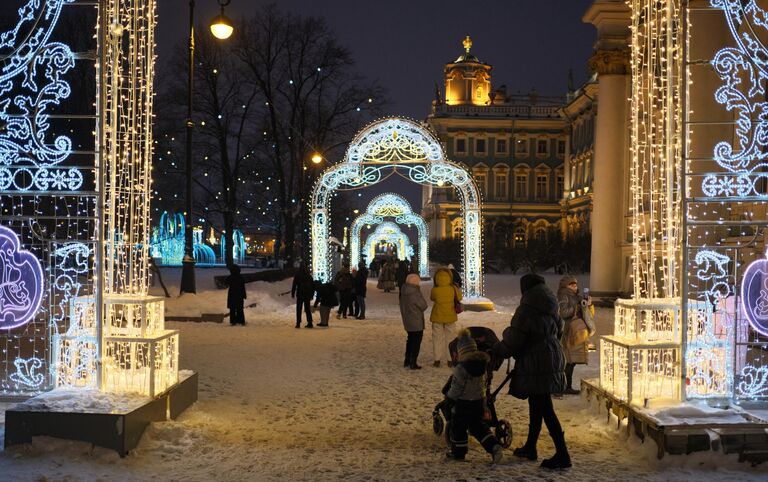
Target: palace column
[611, 158]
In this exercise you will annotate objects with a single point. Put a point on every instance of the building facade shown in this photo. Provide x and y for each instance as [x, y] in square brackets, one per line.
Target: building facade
[518, 147]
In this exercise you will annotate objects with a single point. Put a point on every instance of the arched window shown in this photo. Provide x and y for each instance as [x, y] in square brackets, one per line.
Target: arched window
[520, 237]
[540, 234]
[456, 228]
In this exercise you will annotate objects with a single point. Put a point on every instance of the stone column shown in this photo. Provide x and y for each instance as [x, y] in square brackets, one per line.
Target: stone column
[611, 63]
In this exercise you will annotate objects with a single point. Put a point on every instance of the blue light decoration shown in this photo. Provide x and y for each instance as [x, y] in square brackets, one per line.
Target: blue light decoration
[754, 295]
[388, 232]
[238, 250]
[389, 205]
[21, 282]
[28, 374]
[415, 153]
[167, 242]
[31, 83]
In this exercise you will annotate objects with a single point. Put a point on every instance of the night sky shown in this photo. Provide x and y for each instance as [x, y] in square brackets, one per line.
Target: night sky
[404, 44]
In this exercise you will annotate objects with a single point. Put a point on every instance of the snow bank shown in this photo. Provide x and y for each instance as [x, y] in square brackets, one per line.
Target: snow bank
[82, 401]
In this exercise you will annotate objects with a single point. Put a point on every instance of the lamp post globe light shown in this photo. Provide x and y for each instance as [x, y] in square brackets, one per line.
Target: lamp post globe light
[221, 28]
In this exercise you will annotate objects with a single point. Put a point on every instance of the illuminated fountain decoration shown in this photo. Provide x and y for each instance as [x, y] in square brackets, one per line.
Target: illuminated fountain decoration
[21, 282]
[390, 233]
[238, 250]
[168, 242]
[384, 206]
[412, 151]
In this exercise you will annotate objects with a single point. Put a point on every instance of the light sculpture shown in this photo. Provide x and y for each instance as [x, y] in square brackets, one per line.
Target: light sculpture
[48, 194]
[389, 205]
[168, 242]
[414, 152]
[387, 232]
[238, 250]
[21, 282]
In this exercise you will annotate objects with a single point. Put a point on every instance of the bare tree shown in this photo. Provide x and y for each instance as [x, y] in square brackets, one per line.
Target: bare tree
[312, 100]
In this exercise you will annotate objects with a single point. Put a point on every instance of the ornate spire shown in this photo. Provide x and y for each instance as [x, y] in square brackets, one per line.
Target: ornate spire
[467, 43]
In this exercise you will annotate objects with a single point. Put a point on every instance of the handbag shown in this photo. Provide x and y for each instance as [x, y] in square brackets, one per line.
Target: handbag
[457, 306]
[578, 333]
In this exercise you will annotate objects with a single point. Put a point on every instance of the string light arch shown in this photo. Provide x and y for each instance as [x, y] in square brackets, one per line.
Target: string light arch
[415, 153]
[384, 206]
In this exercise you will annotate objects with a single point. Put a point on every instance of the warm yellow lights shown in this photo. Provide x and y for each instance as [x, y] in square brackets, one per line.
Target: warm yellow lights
[221, 26]
[317, 158]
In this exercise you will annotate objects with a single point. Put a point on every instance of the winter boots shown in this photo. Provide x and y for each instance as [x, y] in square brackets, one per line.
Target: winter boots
[528, 451]
[561, 459]
[497, 454]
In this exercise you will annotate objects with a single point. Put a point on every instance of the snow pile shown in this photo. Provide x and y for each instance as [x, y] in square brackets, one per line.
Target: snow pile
[667, 412]
[82, 401]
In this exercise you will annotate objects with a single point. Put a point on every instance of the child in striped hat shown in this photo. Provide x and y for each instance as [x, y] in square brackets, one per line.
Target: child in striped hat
[467, 392]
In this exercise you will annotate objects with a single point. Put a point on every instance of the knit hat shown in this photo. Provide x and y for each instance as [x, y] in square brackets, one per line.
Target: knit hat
[529, 281]
[465, 344]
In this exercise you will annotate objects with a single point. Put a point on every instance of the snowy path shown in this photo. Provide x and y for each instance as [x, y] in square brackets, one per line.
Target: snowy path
[278, 403]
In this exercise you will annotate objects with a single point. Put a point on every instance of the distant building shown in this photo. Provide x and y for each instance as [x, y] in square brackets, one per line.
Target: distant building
[530, 156]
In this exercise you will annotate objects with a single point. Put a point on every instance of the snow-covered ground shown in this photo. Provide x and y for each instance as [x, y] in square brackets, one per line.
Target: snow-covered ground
[278, 403]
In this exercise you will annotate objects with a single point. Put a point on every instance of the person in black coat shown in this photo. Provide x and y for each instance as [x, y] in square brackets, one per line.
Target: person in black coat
[236, 296]
[303, 289]
[401, 273]
[361, 289]
[327, 299]
[343, 281]
[533, 339]
[455, 275]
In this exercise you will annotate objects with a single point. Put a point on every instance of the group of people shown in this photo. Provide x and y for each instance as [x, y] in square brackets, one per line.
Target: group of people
[391, 273]
[548, 336]
[346, 292]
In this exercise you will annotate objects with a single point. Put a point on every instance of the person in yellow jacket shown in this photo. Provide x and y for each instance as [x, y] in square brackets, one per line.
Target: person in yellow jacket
[443, 316]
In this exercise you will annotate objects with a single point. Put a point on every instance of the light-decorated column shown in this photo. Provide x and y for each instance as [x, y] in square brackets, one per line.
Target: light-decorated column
[611, 62]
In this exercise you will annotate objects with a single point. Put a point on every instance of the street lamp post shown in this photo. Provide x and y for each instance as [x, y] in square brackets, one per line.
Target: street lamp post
[316, 159]
[221, 28]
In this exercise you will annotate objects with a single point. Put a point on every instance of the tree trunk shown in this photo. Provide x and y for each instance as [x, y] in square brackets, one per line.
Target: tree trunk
[229, 227]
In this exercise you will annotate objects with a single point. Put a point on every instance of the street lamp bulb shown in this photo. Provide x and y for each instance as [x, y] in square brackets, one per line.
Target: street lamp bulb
[317, 158]
[221, 27]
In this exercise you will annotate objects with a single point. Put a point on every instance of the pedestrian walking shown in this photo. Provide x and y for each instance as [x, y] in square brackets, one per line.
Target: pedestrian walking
[467, 391]
[412, 307]
[577, 315]
[443, 316]
[533, 340]
[361, 290]
[327, 299]
[401, 273]
[236, 296]
[303, 290]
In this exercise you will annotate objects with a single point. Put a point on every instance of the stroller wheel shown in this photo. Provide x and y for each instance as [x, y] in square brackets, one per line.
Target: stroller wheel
[504, 433]
[437, 422]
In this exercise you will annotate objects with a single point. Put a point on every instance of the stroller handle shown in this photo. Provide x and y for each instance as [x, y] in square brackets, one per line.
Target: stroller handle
[503, 382]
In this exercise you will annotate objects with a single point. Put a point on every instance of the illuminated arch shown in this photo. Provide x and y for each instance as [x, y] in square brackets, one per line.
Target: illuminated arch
[411, 150]
[388, 232]
[390, 205]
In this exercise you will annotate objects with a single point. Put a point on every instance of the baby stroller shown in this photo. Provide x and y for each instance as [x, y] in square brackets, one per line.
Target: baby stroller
[441, 415]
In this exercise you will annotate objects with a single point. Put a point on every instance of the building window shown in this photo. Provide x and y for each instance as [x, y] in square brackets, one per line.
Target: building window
[559, 186]
[501, 146]
[480, 146]
[501, 185]
[521, 146]
[519, 238]
[456, 228]
[521, 186]
[540, 234]
[542, 147]
[586, 172]
[541, 186]
[560, 148]
[461, 146]
[481, 178]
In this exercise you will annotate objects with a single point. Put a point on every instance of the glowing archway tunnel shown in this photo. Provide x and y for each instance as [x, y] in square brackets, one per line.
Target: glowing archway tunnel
[411, 150]
[388, 232]
[384, 206]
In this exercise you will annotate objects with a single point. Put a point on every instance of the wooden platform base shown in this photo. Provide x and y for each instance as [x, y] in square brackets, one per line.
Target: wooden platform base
[120, 431]
[748, 439]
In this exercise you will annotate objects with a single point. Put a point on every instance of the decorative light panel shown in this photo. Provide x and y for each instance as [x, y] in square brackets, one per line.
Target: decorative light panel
[48, 194]
[415, 153]
[390, 205]
[388, 232]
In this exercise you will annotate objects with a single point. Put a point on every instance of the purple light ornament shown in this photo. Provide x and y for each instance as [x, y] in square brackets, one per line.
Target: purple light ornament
[754, 295]
[21, 282]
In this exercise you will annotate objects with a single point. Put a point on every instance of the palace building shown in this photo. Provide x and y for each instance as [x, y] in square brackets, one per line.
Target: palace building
[549, 168]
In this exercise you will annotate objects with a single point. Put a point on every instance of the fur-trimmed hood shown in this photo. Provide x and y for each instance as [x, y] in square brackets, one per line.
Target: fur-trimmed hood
[475, 363]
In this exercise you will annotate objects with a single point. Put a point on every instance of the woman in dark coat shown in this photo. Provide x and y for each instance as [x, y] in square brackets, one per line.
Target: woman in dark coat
[303, 289]
[343, 282]
[236, 296]
[327, 299]
[533, 339]
[412, 307]
[361, 289]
